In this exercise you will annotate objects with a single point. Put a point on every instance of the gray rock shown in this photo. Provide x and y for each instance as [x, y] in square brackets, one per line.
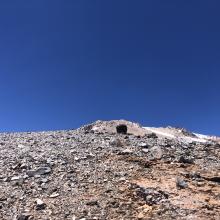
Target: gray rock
[23, 217]
[23, 166]
[126, 151]
[15, 178]
[39, 171]
[181, 184]
[155, 153]
[142, 144]
[92, 203]
[184, 159]
[116, 142]
[6, 179]
[54, 195]
[44, 180]
[151, 195]
[40, 204]
[145, 150]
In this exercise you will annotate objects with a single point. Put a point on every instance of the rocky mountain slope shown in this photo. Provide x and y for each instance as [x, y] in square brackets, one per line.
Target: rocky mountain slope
[109, 170]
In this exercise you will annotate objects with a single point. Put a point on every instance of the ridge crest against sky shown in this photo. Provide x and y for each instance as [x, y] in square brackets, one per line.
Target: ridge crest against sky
[68, 63]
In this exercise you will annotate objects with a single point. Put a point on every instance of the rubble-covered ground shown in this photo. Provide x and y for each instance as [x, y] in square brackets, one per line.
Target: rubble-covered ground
[96, 173]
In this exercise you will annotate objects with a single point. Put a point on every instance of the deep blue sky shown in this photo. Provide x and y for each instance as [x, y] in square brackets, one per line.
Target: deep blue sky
[68, 63]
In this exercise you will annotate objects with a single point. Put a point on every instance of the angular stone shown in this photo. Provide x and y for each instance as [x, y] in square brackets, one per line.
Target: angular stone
[116, 142]
[40, 204]
[142, 144]
[126, 151]
[15, 178]
[54, 195]
[156, 153]
[145, 150]
[23, 217]
[181, 184]
[39, 171]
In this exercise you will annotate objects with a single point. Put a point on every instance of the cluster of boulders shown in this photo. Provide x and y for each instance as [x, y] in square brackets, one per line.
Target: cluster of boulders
[107, 170]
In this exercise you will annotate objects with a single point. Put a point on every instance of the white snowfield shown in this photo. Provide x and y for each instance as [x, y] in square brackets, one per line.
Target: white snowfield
[177, 134]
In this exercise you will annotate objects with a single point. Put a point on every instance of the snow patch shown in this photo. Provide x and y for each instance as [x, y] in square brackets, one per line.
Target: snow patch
[173, 134]
[156, 131]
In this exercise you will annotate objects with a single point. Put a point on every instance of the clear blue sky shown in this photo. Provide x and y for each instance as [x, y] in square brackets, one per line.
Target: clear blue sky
[68, 63]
